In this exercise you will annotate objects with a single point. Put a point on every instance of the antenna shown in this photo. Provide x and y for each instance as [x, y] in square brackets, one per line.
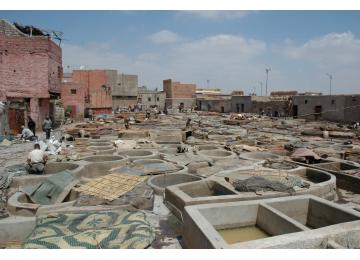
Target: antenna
[330, 78]
[267, 77]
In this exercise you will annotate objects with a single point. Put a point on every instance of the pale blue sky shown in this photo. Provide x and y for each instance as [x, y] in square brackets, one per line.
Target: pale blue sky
[231, 49]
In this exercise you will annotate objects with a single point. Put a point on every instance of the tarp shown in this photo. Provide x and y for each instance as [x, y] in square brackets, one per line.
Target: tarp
[47, 192]
[302, 153]
[108, 230]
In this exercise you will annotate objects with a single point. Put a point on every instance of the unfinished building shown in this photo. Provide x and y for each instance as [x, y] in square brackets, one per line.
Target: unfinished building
[124, 91]
[30, 72]
[151, 98]
[179, 94]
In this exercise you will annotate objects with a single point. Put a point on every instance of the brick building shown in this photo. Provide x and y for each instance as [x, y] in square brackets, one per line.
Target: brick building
[30, 72]
[179, 93]
[87, 89]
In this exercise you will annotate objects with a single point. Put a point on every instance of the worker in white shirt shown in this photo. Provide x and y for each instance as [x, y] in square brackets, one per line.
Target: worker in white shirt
[27, 134]
[36, 161]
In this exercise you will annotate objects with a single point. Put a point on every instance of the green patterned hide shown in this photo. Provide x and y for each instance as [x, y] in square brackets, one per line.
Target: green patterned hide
[92, 230]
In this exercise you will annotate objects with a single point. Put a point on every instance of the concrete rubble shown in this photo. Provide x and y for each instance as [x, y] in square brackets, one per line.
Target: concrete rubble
[296, 181]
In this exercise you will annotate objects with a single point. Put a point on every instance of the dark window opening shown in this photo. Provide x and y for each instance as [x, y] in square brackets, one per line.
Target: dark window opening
[149, 99]
[305, 101]
[333, 102]
[73, 91]
[157, 99]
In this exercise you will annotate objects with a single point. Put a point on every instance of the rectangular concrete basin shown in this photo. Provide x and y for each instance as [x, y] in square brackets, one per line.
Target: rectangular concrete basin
[290, 222]
[197, 192]
[313, 213]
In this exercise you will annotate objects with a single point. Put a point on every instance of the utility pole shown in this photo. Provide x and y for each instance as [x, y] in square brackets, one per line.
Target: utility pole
[261, 84]
[330, 78]
[267, 78]
[208, 83]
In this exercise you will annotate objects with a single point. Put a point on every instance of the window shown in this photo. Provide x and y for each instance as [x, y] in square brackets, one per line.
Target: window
[73, 91]
[157, 99]
[149, 99]
[59, 72]
[354, 99]
[333, 102]
[305, 101]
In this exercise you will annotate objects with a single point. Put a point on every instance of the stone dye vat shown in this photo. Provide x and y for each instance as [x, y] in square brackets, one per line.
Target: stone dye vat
[260, 156]
[168, 151]
[149, 167]
[103, 158]
[138, 154]
[97, 169]
[198, 192]
[160, 182]
[347, 173]
[217, 154]
[19, 204]
[215, 189]
[50, 169]
[291, 222]
[106, 144]
[99, 150]
[207, 147]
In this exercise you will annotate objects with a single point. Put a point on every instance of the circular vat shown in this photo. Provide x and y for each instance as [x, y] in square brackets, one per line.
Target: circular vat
[160, 182]
[100, 144]
[259, 156]
[168, 151]
[207, 147]
[138, 154]
[143, 167]
[55, 167]
[102, 149]
[103, 158]
[218, 154]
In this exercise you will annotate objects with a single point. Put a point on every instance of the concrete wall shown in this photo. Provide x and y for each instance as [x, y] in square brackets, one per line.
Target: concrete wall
[152, 98]
[214, 105]
[73, 95]
[237, 102]
[126, 85]
[124, 90]
[123, 101]
[332, 107]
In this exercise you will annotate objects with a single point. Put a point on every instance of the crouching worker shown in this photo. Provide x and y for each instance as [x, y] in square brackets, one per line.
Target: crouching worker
[27, 134]
[36, 161]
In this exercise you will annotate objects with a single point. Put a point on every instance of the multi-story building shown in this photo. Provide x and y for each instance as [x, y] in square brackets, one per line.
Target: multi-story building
[337, 108]
[179, 94]
[124, 91]
[30, 72]
[151, 99]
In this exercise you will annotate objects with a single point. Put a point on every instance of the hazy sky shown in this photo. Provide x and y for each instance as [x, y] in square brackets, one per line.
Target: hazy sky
[230, 49]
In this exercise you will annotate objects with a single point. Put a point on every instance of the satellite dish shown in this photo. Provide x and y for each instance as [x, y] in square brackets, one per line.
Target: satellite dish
[82, 67]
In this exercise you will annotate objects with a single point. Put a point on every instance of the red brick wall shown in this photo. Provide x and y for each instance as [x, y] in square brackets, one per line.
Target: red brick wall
[92, 80]
[74, 100]
[175, 89]
[27, 66]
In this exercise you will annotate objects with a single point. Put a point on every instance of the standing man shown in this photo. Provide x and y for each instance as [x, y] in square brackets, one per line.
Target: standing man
[47, 127]
[36, 161]
[31, 125]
